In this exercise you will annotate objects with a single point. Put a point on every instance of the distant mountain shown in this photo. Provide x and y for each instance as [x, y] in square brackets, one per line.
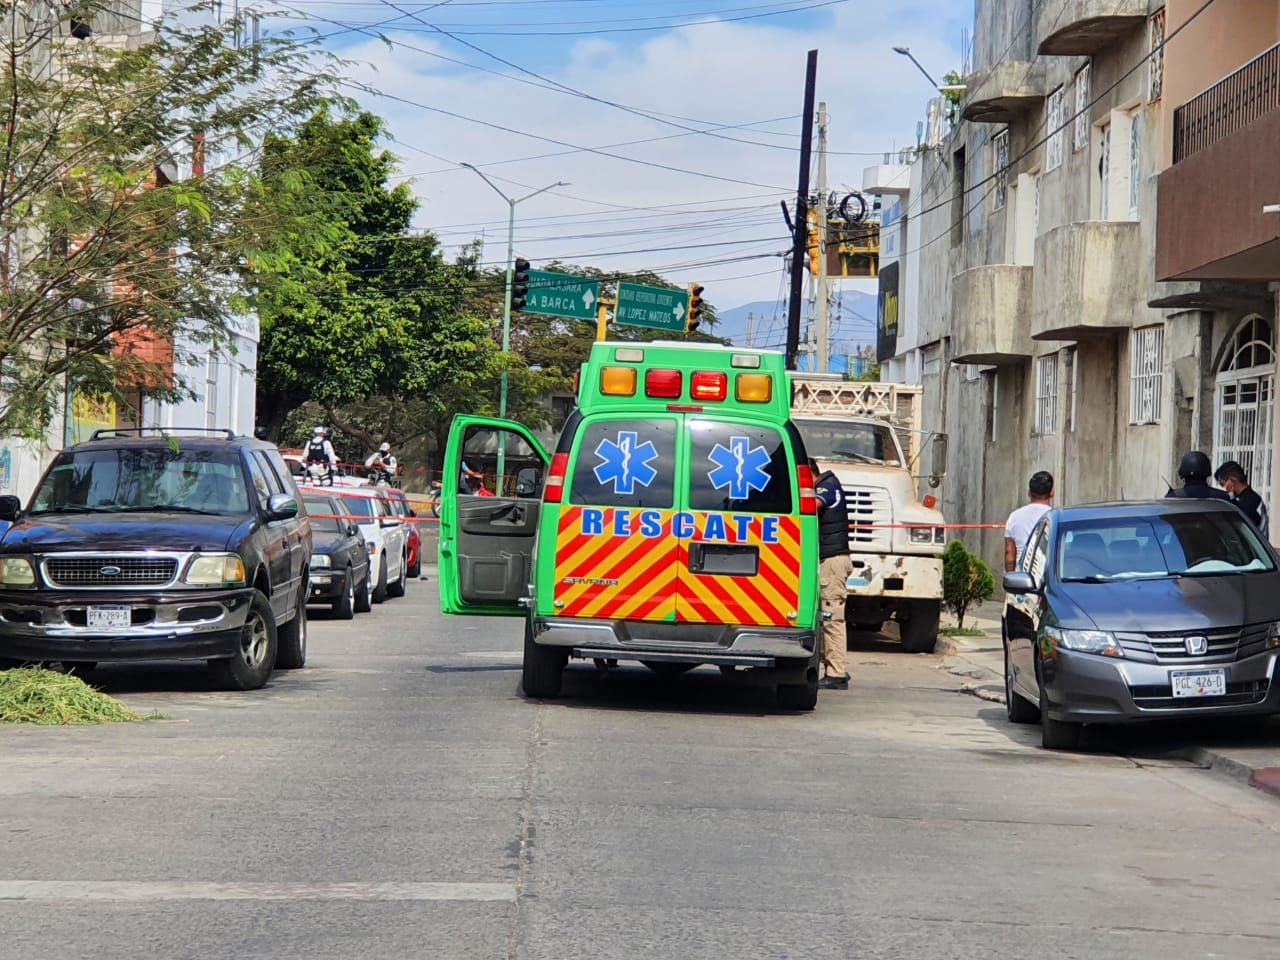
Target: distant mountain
[853, 324]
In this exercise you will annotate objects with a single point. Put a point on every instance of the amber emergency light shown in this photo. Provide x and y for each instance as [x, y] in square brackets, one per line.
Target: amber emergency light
[753, 387]
[618, 381]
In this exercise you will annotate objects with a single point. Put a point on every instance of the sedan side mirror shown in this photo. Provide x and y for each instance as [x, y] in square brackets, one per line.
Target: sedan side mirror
[281, 506]
[10, 507]
[1019, 581]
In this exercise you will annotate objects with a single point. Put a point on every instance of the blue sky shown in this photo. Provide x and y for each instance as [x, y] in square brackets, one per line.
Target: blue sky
[716, 100]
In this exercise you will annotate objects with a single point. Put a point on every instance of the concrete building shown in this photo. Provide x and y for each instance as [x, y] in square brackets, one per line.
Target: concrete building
[1047, 337]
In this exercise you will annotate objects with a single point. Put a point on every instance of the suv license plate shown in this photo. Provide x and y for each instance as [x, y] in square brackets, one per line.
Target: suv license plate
[1199, 683]
[99, 617]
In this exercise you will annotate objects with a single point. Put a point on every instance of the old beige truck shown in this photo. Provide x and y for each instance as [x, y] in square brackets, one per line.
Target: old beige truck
[869, 435]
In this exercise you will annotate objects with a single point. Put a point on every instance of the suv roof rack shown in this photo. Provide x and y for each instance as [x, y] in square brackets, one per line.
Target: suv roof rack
[159, 431]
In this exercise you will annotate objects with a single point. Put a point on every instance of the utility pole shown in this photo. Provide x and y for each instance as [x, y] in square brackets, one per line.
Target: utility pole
[824, 319]
[751, 317]
[799, 247]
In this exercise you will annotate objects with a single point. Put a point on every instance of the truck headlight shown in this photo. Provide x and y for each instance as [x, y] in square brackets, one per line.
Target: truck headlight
[1101, 642]
[922, 534]
[216, 570]
[321, 560]
[17, 572]
[939, 534]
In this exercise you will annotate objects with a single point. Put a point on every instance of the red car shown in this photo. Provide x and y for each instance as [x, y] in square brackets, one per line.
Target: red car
[400, 504]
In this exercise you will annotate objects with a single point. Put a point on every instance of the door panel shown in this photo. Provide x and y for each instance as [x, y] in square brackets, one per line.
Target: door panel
[615, 555]
[740, 555]
[486, 542]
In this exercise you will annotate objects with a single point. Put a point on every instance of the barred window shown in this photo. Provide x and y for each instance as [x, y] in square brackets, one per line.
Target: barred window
[1053, 127]
[1155, 65]
[1047, 394]
[1082, 108]
[1000, 146]
[1146, 373]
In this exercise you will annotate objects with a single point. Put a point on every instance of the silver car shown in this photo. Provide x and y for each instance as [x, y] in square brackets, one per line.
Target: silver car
[1140, 611]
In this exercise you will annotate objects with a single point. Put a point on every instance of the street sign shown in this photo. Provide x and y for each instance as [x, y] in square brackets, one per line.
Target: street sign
[562, 295]
[657, 307]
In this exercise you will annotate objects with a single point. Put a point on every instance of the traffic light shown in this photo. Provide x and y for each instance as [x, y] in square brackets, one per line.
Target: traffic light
[519, 285]
[695, 308]
[813, 242]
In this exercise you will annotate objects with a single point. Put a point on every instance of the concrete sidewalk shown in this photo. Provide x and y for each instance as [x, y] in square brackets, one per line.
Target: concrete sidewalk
[1245, 749]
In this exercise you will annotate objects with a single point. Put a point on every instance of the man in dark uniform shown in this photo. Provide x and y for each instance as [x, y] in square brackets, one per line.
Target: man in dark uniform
[1233, 480]
[834, 571]
[1194, 470]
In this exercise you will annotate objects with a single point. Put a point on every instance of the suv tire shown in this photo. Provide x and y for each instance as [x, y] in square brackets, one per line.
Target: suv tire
[543, 672]
[251, 666]
[919, 631]
[344, 608]
[397, 588]
[291, 639]
[380, 591]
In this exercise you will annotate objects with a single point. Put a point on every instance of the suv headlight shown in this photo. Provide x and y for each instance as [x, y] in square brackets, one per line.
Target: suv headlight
[1101, 642]
[321, 560]
[17, 572]
[216, 570]
[926, 534]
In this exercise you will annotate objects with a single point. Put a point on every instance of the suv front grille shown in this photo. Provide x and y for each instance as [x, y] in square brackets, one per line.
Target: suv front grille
[101, 571]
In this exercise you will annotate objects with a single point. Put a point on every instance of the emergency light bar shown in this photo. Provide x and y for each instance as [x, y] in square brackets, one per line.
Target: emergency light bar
[668, 384]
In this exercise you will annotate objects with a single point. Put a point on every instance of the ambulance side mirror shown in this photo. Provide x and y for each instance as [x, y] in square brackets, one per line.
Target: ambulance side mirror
[938, 458]
[527, 482]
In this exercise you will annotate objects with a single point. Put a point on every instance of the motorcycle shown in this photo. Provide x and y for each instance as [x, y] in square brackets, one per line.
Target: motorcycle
[436, 488]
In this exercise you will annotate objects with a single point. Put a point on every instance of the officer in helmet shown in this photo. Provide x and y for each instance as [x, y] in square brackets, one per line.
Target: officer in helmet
[1195, 470]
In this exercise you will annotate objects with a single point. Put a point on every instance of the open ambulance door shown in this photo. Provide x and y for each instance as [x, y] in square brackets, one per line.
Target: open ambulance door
[487, 533]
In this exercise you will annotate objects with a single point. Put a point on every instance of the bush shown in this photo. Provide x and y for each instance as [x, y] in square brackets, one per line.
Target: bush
[966, 580]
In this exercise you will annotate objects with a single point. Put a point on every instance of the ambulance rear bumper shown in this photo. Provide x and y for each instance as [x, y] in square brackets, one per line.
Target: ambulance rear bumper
[722, 644]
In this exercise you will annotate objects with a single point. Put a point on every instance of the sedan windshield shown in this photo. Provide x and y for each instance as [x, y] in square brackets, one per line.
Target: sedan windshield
[1169, 545]
[131, 480]
[851, 440]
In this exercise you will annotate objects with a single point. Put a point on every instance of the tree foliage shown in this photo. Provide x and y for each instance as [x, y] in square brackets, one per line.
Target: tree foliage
[966, 580]
[128, 208]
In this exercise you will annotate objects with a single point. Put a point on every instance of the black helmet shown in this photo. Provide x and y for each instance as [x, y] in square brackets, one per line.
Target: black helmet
[1194, 466]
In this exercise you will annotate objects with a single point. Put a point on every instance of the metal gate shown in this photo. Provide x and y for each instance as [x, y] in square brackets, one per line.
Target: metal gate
[1243, 404]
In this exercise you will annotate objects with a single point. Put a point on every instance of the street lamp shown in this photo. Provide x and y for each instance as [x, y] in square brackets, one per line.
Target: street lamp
[506, 300]
[906, 52]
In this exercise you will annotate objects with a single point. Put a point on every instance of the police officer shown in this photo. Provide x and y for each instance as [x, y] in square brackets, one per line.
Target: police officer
[382, 464]
[320, 451]
[1194, 471]
[834, 571]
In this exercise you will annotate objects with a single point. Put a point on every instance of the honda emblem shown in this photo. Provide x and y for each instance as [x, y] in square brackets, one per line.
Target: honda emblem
[1197, 646]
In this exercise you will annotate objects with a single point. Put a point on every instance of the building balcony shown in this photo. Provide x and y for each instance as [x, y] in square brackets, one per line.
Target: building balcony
[1080, 28]
[1004, 92]
[1087, 279]
[891, 179]
[1210, 222]
[991, 311]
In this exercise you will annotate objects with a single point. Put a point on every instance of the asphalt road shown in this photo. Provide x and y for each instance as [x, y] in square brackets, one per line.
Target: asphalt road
[399, 798]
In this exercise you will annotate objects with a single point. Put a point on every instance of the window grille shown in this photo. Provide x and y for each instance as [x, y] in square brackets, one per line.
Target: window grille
[1000, 145]
[1047, 394]
[1053, 146]
[1082, 107]
[1155, 65]
[1146, 373]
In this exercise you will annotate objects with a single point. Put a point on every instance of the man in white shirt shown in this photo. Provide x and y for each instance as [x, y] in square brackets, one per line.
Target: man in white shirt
[1017, 529]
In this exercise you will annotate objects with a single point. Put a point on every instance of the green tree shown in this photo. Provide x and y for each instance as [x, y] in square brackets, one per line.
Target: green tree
[966, 580]
[368, 309]
[128, 205]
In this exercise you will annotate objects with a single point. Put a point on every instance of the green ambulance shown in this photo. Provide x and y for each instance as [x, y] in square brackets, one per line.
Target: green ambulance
[674, 524]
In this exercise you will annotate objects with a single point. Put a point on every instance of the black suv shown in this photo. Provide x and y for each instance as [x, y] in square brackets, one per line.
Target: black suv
[150, 545]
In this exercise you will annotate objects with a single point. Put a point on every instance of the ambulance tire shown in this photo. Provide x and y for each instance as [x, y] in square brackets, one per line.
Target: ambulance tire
[543, 670]
[919, 630]
[799, 696]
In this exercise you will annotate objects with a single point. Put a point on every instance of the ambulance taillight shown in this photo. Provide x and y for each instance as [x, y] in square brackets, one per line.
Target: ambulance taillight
[553, 489]
[808, 495]
[665, 384]
[753, 387]
[618, 381]
[708, 385]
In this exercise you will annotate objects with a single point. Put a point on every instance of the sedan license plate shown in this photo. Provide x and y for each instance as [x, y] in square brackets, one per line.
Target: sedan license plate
[1199, 683]
[100, 617]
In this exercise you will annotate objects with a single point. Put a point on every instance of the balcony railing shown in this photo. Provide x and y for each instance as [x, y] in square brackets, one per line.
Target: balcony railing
[1227, 106]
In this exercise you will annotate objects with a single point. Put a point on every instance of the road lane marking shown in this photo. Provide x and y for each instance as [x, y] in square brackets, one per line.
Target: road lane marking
[142, 891]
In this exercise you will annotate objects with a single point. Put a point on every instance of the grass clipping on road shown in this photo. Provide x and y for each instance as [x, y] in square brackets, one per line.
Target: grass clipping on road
[37, 695]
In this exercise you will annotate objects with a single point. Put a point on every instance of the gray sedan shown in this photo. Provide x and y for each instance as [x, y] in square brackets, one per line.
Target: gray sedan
[1139, 611]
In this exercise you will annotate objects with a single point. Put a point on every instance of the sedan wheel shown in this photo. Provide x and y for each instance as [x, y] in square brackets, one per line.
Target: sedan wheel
[1056, 734]
[1018, 708]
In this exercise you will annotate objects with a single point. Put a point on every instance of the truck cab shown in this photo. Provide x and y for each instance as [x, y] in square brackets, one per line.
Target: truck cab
[674, 524]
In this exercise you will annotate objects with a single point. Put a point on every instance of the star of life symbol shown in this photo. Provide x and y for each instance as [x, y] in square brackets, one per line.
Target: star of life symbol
[625, 462]
[740, 467]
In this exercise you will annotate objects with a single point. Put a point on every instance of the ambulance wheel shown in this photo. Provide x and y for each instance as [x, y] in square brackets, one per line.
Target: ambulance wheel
[543, 668]
[919, 631]
[799, 696]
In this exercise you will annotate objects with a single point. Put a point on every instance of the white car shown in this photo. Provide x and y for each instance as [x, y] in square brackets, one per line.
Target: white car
[298, 467]
[385, 534]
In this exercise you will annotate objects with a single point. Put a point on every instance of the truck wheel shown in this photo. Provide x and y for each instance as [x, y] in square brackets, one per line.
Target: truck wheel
[852, 629]
[543, 668]
[799, 696]
[920, 630]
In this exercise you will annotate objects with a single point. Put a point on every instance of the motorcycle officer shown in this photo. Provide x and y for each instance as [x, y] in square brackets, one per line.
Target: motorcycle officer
[320, 453]
[382, 464]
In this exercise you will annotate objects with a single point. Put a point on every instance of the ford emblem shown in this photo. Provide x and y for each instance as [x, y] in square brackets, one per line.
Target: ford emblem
[1197, 646]
[110, 571]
